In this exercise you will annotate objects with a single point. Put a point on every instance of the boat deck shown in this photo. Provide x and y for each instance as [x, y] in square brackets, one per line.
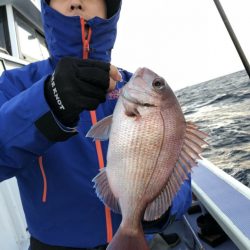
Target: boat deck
[188, 240]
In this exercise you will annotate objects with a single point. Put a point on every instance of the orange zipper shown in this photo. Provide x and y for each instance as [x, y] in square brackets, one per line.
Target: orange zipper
[85, 39]
[86, 49]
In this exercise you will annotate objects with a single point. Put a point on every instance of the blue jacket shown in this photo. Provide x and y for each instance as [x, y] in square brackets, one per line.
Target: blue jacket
[53, 166]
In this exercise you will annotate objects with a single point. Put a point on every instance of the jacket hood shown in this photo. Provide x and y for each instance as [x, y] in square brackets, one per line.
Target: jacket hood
[64, 34]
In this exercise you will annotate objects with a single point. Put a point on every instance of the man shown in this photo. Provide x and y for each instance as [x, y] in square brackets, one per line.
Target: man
[44, 117]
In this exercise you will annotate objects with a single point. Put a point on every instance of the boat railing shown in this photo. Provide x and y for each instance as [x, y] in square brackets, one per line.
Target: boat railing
[226, 199]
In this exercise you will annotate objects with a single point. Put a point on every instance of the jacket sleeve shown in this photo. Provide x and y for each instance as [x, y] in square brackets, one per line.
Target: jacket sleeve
[182, 201]
[179, 207]
[21, 111]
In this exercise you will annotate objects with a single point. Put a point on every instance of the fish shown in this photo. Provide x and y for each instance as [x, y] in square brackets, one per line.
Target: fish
[152, 149]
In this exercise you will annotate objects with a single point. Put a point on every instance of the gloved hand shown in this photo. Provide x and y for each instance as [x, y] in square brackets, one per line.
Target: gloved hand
[157, 225]
[78, 85]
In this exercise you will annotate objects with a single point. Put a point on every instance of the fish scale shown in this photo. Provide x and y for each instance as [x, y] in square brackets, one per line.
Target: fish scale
[138, 155]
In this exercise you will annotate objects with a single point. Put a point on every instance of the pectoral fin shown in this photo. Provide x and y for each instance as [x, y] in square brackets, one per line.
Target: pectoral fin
[101, 130]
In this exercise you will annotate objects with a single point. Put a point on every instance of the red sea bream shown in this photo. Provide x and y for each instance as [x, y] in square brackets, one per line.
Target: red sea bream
[152, 149]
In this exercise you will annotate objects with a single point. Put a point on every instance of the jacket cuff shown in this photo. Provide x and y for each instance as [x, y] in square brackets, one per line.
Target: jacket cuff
[52, 129]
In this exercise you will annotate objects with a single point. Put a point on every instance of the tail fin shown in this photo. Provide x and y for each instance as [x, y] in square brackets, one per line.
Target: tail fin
[126, 240]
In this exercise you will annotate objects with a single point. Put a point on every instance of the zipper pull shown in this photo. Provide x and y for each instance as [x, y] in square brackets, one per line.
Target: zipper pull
[86, 49]
[86, 46]
[86, 36]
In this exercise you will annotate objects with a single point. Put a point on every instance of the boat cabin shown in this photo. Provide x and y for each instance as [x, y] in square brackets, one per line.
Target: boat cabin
[21, 34]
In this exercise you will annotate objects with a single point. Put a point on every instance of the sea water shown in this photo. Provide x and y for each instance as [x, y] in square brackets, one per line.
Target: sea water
[221, 108]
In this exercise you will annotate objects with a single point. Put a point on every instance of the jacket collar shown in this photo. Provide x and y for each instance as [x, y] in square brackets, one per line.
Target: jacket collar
[64, 35]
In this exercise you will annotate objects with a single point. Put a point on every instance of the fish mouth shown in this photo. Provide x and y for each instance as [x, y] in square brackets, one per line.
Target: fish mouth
[133, 100]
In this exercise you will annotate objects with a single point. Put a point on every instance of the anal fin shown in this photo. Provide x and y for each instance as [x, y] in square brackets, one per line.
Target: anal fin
[104, 192]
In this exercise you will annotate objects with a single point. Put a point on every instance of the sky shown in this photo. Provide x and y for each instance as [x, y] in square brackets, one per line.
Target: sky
[185, 41]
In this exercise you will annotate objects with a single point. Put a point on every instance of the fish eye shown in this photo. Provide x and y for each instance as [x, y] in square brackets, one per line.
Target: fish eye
[158, 83]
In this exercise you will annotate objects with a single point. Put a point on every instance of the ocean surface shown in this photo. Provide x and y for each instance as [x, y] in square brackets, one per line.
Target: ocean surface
[221, 108]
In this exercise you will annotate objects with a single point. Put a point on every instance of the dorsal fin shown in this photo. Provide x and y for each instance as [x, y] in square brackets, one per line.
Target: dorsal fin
[191, 148]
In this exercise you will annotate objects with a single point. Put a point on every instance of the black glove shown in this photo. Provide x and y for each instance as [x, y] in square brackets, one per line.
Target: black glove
[76, 85]
[157, 225]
